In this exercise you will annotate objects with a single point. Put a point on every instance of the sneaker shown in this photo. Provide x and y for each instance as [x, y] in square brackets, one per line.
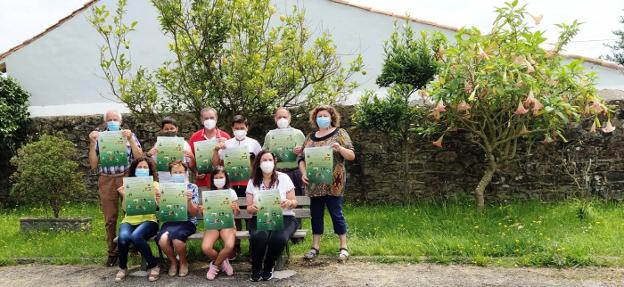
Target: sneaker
[227, 267]
[343, 255]
[255, 276]
[311, 254]
[121, 275]
[267, 275]
[213, 271]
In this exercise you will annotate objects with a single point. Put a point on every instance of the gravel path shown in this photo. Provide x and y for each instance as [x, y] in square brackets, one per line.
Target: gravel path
[325, 273]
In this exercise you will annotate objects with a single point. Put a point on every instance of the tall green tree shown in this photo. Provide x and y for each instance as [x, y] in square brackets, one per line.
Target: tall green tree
[227, 54]
[618, 47]
[502, 88]
[410, 63]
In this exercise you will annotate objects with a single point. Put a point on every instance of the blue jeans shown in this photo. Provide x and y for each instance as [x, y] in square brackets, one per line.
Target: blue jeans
[334, 206]
[138, 236]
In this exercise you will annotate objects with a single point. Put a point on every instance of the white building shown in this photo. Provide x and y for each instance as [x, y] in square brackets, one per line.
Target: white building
[60, 66]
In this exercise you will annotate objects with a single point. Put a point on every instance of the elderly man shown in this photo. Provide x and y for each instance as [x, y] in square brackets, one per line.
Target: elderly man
[210, 131]
[111, 178]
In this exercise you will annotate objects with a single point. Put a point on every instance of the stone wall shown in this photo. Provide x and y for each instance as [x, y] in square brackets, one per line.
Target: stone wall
[449, 173]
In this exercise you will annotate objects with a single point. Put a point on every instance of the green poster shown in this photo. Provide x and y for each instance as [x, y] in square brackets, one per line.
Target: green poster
[140, 199]
[113, 149]
[173, 202]
[203, 155]
[218, 212]
[236, 162]
[269, 215]
[169, 149]
[281, 144]
[319, 164]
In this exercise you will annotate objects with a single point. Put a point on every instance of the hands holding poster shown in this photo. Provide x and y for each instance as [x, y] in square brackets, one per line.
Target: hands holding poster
[203, 155]
[113, 149]
[319, 164]
[217, 209]
[237, 163]
[269, 216]
[282, 143]
[140, 198]
[173, 202]
[170, 149]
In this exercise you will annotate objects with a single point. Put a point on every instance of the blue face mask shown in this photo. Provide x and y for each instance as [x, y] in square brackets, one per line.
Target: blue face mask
[141, 172]
[323, 122]
[113, 126]
[178, 178]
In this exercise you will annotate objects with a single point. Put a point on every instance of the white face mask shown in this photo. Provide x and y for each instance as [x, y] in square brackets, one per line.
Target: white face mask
[210, 124]
[267, 166]
[240, 134]
[283, 123]
[219, 182]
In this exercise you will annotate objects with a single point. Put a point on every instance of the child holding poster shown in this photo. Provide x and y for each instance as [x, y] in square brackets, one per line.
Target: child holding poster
[173, 234]
[220, 262]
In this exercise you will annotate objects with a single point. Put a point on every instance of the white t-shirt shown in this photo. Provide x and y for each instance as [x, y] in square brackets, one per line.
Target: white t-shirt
[283, 185]
[252, 145]
[165, 175]
[233, 196]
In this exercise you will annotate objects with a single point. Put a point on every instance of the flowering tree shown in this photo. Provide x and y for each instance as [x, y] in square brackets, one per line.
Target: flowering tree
[503, 87]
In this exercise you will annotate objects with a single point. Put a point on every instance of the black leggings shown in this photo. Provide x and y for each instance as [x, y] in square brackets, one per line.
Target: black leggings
[269, 243]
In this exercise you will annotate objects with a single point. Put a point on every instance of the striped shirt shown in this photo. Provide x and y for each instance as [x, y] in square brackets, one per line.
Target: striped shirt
[116, 170]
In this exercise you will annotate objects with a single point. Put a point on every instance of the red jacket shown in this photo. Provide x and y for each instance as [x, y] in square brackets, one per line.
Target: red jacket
[200, 136]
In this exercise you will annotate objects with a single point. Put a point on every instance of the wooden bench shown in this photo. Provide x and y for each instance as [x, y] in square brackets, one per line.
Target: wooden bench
[302, 211]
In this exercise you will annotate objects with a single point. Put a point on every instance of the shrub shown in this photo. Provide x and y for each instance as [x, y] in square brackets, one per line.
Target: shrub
[47, 174]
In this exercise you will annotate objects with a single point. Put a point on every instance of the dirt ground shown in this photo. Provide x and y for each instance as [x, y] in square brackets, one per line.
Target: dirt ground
[325, 273]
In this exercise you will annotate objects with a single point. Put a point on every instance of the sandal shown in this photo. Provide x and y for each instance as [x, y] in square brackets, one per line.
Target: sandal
[121, 275]
[343, 255]
[154, 274]
[311, 254]
[183, 271]
[173, 270]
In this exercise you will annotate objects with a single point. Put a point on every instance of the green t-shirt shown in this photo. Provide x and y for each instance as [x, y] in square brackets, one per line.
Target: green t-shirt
[293, 137]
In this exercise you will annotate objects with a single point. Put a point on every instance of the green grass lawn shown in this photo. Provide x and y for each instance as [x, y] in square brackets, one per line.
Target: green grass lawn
[524, 234]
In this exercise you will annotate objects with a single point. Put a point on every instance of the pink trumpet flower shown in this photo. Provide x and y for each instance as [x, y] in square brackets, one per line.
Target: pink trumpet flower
[596, 107]
[438, 143]
[609, 128]
[520, 110]
[593, 128]
[547, 139]
[537, 106]
[463, 106]
[440, 107]
[483, 54]
[530, 99]
[524, 130]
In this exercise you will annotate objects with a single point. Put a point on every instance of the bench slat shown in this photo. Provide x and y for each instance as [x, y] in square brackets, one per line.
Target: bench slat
[302, 200]
[242, 234]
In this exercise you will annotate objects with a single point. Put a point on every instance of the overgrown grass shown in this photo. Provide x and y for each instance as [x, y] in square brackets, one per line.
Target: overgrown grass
[523, 234]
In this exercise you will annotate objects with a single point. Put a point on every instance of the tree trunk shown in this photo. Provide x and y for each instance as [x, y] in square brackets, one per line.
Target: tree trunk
[484, 182]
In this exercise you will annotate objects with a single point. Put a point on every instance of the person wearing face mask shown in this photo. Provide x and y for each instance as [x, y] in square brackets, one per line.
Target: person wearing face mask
[111, 178]
[268, 245]
[169, 128]
[173, 234]
[210, 131]
[138, 229]
[282, 119]
[239, 128]
[220, 261]
[326, 120]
